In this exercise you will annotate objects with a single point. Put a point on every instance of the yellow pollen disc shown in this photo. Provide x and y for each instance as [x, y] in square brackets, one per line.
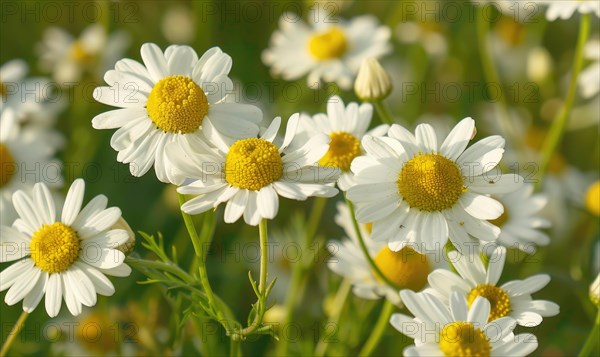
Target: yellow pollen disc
[343, 148]
[253, 164]
[499, 300]
[464, 339]
[7, 165]
[328, 44]
[54, 247]
[79, 54]
[177, 104]
[430, 182]
[405, 268]
[592, 198]
[500, 221]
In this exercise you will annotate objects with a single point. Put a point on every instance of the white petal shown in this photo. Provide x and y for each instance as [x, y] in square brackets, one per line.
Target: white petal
[31, 300]
[481, 207]
[44, 203]
[426, 138]
[101, 257]
[101, 283]
[479, 311]
[496, 266]
[23, 285]
[268, 202]
[236, 206]
[53, 294]
[456, 142]
[73, 202]
[154, 60]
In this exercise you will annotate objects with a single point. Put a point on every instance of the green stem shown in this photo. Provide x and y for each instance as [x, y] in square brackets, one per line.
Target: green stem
[491, 76]
[365, 250]
[13, 333]
[592, 340]
[299, 271]
[384, 113]
[262, 284]
[234, 348]
[200, 244]
[338, 304]
[559, 124]
[377, 333]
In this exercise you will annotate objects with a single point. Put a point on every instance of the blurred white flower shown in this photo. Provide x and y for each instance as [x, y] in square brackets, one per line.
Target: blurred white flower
[589, 78]
[326, 48]
[564, 9]
[178, 25]
[426, 34]
[34, 101]
[68, 58]
[26, 157]
[595, 291]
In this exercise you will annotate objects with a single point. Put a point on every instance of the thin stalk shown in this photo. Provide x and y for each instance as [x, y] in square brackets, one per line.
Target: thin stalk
[384, 113]
[365, 250]
[338, 302]
[559, 124]
[262, 283]
[491, 76]
[234, 348]
[592, 340]
[299, 271]
[377, 333]
[13, 333]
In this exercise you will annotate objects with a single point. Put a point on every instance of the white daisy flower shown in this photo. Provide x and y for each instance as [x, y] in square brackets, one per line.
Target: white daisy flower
[419, 192]
[251, 174]
[509, 299]
[29, 98]
[428, 34]
[345, 126]
[26, 157]
[173, 97]
[458, 329]
[406, 268]
[68, 57]
[589, 79]
[521, 221]
[327, 48]
[64, 258]
[564, 9]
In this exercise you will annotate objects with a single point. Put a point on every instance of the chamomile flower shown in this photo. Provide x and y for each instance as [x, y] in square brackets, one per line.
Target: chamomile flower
[68, 57]
[589, 79]
[252, 173]
[564, 9]
[509, 299]
[64, 257]
[27, 97]
[327, 48]
[419, 192]
[26, 157]
[173, 97]
[407, 269]
[345, 126]
[521, 221]
[460, 329]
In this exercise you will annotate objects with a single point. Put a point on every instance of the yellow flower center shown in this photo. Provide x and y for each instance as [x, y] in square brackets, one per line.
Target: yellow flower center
[54, 247]
[328, 44]
[430, 182]
[7, 165]
[3, 90]
[464, 339]
[177, 104]
[253, 164]
[500, 221]
[343, 148]
[592, 198]
[79, 54]
[405, 268]
[499, 300]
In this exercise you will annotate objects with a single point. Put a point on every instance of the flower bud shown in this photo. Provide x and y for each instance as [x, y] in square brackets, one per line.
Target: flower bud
[128, 246]
[373, 82]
